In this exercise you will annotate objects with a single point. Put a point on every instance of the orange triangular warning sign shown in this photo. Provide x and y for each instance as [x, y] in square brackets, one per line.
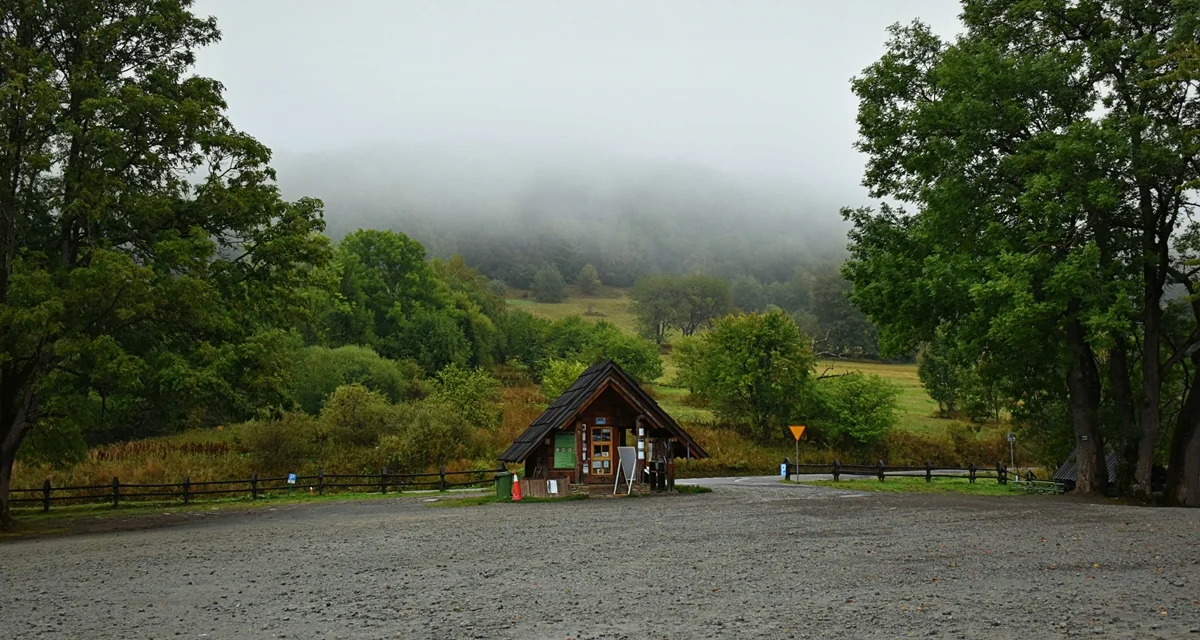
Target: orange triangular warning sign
[797, 430]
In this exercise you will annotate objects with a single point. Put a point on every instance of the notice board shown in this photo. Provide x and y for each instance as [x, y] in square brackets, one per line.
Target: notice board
[564, 450]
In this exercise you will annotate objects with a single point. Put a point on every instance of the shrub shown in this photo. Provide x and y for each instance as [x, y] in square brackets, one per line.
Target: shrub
[548, 284]
[430, 433]
[854, 409]
[321, 370]
[278, 446]
[356, 415]
[474, 393]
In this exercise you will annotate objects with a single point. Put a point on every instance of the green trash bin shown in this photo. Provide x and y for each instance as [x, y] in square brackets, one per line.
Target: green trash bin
[504, 485]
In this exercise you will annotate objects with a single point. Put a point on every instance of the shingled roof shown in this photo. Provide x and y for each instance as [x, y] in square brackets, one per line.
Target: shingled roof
[576, 398]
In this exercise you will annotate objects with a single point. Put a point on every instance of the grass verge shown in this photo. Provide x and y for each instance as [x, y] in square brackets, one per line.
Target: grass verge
[59, 519]
[918, 485]
[688, 489]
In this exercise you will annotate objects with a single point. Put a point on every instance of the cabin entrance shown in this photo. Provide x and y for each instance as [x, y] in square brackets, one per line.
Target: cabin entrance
[602, 450]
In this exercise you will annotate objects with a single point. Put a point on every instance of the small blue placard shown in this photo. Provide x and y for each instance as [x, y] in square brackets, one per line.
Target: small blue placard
[601, 420]
[291, 478]
[783, 470]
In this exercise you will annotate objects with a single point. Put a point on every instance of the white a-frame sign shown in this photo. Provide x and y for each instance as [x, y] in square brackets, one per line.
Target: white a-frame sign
[625, 466]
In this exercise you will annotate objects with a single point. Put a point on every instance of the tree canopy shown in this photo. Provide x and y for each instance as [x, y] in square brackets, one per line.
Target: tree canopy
[146, 257]
[751, 368]
[1045, 154]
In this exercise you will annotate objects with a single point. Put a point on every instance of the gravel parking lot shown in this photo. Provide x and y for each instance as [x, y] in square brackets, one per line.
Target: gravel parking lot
[745, 561]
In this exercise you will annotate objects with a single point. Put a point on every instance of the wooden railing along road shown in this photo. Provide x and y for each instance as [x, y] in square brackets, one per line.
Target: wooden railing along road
[881, 471]
[187, 491]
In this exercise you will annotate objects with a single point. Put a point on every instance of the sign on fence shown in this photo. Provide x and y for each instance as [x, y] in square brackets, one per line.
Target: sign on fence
[291, 478]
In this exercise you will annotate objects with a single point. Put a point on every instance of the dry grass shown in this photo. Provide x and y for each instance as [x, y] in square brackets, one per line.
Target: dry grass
[212, 454]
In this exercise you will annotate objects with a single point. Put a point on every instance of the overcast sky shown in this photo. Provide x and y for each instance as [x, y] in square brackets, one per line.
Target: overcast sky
[753, 88]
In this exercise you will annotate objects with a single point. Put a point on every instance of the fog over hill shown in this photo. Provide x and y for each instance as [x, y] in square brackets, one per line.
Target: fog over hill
[570, 207]
[672, 135]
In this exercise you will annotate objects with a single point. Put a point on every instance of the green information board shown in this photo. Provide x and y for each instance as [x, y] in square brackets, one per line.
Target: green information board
[564, 451]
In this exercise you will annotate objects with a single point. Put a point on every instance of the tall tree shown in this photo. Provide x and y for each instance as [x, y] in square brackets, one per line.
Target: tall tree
[703, 299]
[655, 305]
[752, 368]
[548, 284]
[144, 250]
[1047, 162]
[589, 280]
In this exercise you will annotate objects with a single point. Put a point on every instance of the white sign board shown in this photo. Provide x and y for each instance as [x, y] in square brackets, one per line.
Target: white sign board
[627, 465]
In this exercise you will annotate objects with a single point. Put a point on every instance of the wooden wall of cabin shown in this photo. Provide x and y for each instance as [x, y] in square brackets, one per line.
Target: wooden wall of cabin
[619, 416]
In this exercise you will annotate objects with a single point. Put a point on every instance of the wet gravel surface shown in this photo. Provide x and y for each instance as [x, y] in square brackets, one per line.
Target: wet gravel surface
[744, 561]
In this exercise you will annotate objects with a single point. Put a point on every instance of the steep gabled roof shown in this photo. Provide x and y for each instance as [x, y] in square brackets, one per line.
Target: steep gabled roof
[580, 394]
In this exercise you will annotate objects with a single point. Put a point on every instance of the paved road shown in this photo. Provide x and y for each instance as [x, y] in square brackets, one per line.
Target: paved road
[756, 481]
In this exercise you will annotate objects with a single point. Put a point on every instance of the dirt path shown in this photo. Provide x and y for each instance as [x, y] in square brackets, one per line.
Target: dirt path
[748, 562]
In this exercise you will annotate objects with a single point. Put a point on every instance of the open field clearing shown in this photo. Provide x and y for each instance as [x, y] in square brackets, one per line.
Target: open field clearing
[744, 561]
[610, 304]
[918, 410]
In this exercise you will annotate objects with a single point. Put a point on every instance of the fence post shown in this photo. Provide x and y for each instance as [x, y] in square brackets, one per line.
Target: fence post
[442, 479]
[1001, 473]
[881, 470]
[187, 489]
[972, 473]
[928, 471]
[383, 479]
[321, 482]
[116, 492]
[254, 486]
[46, 495]
[837, 469]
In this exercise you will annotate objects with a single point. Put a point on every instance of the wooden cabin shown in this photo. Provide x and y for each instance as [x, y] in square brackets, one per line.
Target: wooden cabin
[578, 440]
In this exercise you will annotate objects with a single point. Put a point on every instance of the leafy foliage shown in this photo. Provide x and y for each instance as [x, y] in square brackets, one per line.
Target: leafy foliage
[430, 433]
[357, 415]
[146, 258]
[321, 370]
[752, 369]
[558, 375]
[1043, 154]
[473, 393]
[686, 303]
[548, 284]
[853, 410]
[589, 280]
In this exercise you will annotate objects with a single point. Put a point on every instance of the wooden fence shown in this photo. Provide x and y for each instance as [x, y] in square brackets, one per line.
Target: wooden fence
[254, 486]
[999, 473]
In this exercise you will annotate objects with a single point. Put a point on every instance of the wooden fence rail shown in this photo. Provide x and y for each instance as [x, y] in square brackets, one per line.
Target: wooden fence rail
[879, 470]
[117, 492]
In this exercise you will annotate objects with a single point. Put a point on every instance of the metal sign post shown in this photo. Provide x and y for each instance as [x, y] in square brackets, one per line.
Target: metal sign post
[797, 432]
[1012, 437]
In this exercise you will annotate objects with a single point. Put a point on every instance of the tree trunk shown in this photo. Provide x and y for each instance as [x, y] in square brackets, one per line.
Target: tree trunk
[1083, 391]
[1122, 400]
[18, 411]
[1150, 415]
[1183, 470]
[6, 464]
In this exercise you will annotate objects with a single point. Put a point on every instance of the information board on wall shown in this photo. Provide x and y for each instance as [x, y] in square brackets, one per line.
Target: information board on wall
[564, 451]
